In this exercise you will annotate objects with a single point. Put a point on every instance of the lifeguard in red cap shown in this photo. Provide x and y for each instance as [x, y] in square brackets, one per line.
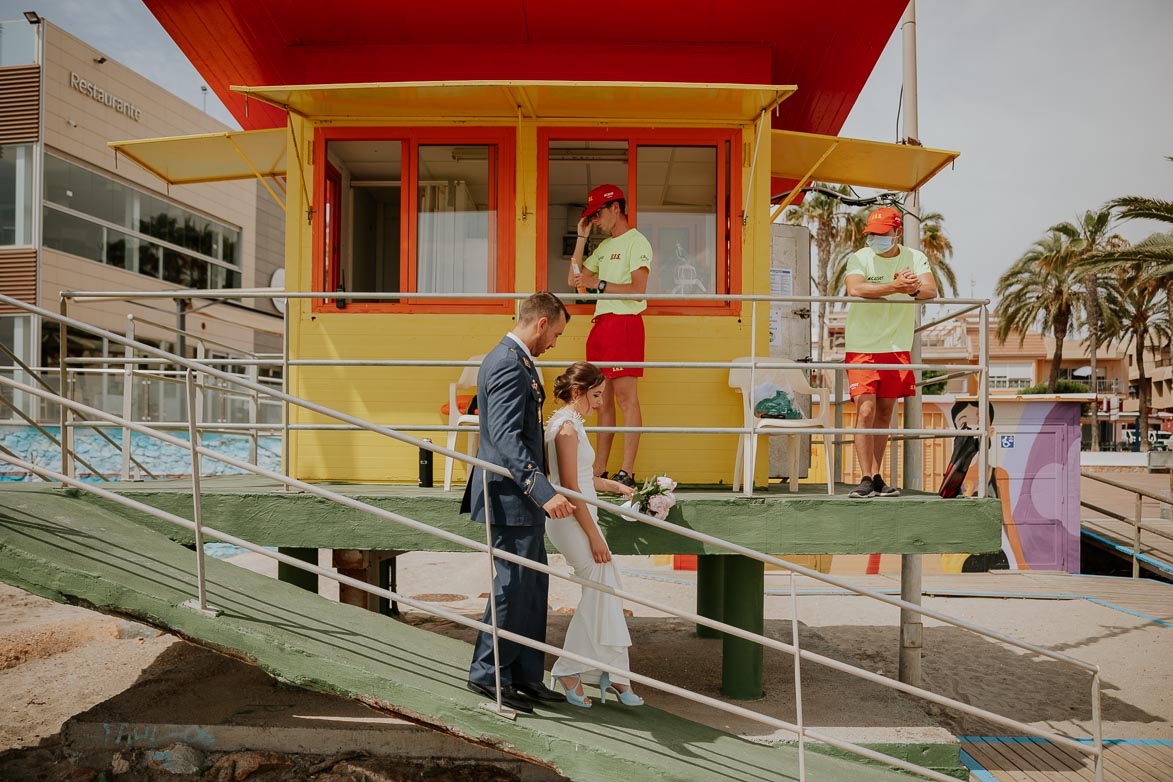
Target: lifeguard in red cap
[620, 264]
[882, 334]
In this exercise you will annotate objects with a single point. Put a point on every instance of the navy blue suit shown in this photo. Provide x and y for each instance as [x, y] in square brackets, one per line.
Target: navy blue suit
[510, 398]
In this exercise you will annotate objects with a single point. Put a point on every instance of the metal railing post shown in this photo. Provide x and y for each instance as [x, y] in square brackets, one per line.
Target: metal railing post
[838, 465]
[201, 602]
[1097, 729]
[797, 679]
[127, 397]
[501, 709]
[1136, 537]
[983, 401]
[286, 446]
[254, 409]
[67, 467]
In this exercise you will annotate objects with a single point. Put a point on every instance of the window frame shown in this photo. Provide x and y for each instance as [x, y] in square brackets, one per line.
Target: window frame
[135, 196]
[729, 230]
[503, 187]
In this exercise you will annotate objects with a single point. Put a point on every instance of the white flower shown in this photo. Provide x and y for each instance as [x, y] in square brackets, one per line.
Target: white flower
[665, 483]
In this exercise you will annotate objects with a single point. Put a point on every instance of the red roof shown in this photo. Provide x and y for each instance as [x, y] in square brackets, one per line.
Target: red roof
[828, 48]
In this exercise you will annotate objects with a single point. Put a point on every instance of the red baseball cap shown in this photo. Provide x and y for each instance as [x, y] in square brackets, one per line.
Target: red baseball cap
[600, 197]
[883, 220]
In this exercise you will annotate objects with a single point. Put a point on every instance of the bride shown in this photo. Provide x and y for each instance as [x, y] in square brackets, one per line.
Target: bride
[597, 630]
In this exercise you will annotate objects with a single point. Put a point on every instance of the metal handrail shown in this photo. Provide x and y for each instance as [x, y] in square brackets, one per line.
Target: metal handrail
[278, 293]
[197, 366]
[452, 537]
[1137, 520]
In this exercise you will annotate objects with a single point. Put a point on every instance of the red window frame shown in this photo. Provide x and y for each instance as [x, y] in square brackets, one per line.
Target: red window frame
[729, 206]
[332, 228]
[502, 171]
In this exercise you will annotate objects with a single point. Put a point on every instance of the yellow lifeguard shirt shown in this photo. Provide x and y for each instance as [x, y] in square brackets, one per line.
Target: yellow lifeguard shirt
[614, 260]
[883, 328]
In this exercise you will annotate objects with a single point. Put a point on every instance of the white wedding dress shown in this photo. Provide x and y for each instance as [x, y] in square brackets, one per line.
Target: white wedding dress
[597, 630]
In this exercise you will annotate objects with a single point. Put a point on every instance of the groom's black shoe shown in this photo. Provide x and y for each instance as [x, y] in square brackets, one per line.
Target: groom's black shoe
[538, 691]
[509, 696]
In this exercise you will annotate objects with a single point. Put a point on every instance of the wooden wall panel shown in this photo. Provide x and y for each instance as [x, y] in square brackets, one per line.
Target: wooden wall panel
[18, 275]
[20, 100]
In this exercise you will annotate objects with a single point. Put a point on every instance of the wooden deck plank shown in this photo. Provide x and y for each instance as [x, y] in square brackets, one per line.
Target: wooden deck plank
[1006, 757]
[993, 762]
[1068, 764]
[1140, 760]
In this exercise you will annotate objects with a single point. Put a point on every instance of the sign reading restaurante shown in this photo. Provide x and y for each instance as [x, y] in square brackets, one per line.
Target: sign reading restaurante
[87, 87]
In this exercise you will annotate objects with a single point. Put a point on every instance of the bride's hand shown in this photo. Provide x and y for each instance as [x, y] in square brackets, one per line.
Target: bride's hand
[622, 488]
[599, 549]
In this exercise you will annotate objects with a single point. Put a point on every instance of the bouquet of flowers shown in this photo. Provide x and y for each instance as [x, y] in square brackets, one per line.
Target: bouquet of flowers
[655, 497]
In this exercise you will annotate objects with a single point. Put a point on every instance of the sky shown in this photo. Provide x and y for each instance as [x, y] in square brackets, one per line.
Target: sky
[1056, 106]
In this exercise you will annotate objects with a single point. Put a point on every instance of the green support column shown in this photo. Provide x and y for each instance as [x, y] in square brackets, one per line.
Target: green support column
[294, 575]
[741, 660]
[710, 592]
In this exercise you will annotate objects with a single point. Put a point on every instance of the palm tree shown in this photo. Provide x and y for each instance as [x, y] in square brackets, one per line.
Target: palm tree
[1041, 289]
[1144, 312]
[1151, 258]
[937, 247]
[851, 238]
[1091, 235]
[826, 215]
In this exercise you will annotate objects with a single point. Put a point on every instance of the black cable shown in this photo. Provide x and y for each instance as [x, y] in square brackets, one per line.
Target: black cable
[888, 199]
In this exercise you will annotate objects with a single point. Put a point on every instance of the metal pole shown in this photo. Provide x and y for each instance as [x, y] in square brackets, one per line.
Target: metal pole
[911, 629]
[201, 603]
[1136, 538]
[797, 680]
[749, 443]
[254, 405]
[181, 327]
[983, 401]
[127, 397]
[1097, 729]
[839, 375]
[63, 388]
[501, 708]
[285, 445]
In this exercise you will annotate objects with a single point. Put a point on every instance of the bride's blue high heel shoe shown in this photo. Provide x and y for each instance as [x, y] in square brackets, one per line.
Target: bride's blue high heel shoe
[572, 696]
[626, 697]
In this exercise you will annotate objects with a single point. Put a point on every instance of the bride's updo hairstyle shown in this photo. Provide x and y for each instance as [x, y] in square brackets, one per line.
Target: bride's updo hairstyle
[582, 376]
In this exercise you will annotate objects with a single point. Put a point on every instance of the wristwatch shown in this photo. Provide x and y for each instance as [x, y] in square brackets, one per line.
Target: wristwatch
[602, 286]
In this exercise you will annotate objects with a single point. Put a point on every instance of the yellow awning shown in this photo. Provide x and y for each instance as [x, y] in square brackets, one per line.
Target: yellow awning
[543, 100]
[849, 161]
[210, 157]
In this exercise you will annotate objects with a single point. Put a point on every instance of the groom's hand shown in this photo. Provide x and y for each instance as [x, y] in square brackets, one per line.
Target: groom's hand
[558, 507]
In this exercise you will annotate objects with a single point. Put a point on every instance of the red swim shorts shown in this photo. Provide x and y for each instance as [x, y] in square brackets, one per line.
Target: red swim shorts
[883, 383]
[616, 338]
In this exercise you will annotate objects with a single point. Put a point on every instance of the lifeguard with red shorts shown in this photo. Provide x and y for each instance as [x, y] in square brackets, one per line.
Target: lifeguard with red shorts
[882, 334]
[620, 264]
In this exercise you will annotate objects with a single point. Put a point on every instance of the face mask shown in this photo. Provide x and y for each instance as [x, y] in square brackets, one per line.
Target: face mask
[881, 244]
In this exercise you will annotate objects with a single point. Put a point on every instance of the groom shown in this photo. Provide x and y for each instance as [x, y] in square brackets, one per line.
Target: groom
[510, 397]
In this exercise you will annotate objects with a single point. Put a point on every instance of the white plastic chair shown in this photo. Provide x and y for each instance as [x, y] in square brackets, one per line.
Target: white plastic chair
[457, 417]
[795, 382]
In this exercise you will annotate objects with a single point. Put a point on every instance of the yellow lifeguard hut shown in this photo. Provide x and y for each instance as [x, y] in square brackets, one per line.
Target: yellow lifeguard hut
[416, 209]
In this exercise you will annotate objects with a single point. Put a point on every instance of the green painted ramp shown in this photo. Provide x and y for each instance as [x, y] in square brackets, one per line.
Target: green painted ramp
[61, 547]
